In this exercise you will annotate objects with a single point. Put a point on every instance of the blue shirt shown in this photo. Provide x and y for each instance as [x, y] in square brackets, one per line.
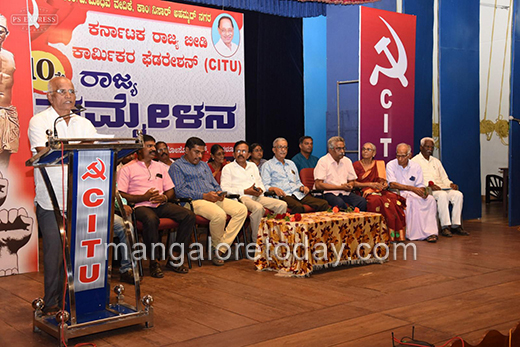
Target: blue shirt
[284, 176]
[302, 162]
[192, 181]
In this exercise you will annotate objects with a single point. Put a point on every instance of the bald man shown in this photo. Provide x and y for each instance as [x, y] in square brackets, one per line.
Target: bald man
[421, 210]
[62, 97]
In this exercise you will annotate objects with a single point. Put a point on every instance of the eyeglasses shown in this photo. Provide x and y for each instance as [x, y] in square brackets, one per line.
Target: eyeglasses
[160, 150]
[243, 151]
[63, 91]
[2, 32]
[340, 149]
[401, 155]
[282, 147]
[367, 149]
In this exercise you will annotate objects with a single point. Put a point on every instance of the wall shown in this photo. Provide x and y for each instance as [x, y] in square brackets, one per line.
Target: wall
[459, 98]
[315, 81]
[494, 152]
[342, 65]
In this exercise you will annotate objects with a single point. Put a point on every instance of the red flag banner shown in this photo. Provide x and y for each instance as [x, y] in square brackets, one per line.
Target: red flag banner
[387, 80]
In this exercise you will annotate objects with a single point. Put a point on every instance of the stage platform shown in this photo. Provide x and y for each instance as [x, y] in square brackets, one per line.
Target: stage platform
[459, 286]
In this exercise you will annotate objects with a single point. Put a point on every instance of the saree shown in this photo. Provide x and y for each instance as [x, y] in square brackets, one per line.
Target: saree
[389, 204]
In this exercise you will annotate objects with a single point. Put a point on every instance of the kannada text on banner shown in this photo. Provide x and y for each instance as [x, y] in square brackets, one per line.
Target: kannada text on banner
[170, 70]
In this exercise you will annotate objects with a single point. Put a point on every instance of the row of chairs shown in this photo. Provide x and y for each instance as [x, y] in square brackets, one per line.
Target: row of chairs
[168, 226]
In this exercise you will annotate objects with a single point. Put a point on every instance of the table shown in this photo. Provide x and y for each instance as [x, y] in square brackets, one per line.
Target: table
[319, 240]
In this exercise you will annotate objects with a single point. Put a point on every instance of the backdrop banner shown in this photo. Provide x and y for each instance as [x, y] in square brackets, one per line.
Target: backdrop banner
[18, 231]
[170, 70]
[387, 80]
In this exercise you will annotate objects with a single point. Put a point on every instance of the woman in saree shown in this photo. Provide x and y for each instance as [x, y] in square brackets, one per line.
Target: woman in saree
[372, 180]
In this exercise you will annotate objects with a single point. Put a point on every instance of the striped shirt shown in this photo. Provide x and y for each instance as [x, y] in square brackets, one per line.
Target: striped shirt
[192, 181]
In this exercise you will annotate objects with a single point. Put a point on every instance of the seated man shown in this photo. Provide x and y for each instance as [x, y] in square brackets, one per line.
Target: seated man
[421, 210]
[125, 269]
[335, 174]
[444, 190]
[305, 159]
[146, 184]
[242, 177]
[163, 154]
[193, 179]
[281, 176]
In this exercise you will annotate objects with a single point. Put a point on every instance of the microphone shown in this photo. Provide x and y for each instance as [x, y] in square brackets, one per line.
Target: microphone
[78, 108]
[514, 119]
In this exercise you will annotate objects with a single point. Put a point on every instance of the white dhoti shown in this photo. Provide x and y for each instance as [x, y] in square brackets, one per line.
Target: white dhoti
[444, 198]
[421, 216]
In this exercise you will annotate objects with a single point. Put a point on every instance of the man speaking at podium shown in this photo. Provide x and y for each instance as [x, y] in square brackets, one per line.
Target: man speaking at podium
[62, 96]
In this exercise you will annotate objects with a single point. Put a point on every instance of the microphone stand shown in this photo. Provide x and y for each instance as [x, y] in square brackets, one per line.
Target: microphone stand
[79, 109]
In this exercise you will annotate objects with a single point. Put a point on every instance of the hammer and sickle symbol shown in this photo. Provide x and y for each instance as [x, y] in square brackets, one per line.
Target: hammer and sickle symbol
[399, 67]
[93, 171]
[33, 17]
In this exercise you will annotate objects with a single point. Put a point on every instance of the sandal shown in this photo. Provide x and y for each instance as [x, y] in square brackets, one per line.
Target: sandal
[432, 238]
[177, 266]
[446, 232]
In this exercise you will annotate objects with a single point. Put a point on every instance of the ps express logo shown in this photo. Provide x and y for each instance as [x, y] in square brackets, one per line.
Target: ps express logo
[396, 66]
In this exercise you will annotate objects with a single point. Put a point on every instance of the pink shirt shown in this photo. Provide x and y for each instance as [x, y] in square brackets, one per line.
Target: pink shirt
[135, 178]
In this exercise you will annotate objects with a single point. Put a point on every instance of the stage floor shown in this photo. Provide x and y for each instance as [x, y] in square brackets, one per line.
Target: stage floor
[461, 286]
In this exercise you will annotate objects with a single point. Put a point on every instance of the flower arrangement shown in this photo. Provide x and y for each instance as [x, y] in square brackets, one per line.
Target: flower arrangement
[287, 217]
[349, 209]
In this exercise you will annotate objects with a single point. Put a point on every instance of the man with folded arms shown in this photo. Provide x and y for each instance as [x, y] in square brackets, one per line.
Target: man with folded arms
[146, 184]
[242, 177]
[281, 176]
[443, 190]
[421, 209]
[335, 174]
[193, 179]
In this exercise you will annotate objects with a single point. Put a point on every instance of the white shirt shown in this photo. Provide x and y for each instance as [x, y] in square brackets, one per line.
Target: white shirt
[224, 50]
[331, 172]
[433, 171]
[78, 127]
[411, 175]
[235, 179]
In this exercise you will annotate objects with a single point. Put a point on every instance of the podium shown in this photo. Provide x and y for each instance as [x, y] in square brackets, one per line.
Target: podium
[85, 237]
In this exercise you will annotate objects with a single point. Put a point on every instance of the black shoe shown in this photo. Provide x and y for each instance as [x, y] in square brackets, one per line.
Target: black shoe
[177, 266]
[155, 270]
[446, 232]
[460, 231]
[127, 277]
[217, 258]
